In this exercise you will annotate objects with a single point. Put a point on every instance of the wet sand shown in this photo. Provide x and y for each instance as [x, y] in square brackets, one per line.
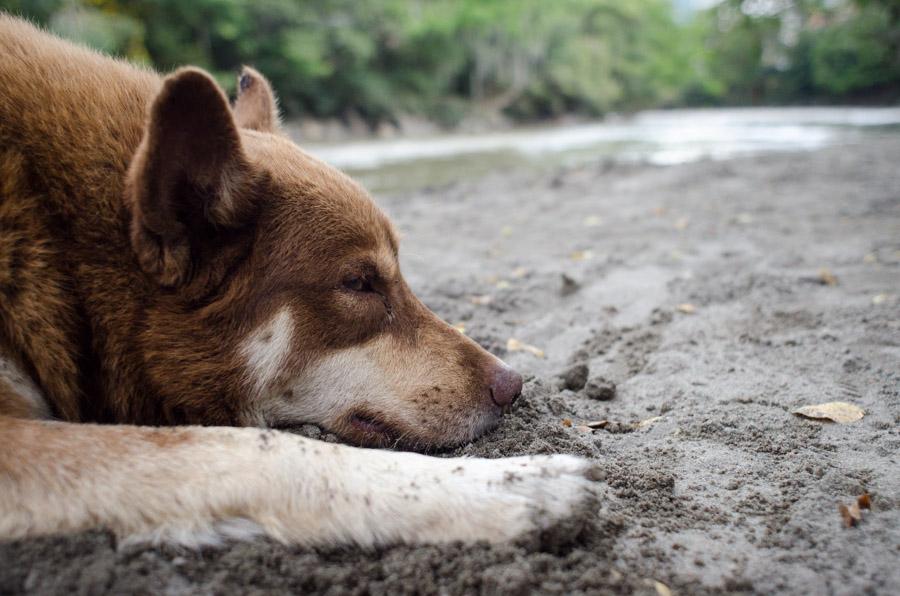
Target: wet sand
[691, 302]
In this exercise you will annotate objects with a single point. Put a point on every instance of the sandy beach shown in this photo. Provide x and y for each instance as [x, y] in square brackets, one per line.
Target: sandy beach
[668, 321]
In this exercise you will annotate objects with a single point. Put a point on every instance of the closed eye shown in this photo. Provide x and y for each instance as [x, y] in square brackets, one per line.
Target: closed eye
[358, 284]
[367, 284]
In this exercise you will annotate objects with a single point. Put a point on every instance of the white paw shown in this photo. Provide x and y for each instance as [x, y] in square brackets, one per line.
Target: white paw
[496, 500]
[533, 492]
[301, 491]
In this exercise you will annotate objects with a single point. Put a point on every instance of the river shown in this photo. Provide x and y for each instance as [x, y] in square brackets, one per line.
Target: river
[663, 137]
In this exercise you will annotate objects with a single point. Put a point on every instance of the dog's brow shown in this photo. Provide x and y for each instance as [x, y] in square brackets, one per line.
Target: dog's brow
[386, 265]
[392, 237]
[395, 245]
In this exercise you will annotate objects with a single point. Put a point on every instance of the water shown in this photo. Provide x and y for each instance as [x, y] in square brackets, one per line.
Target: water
[656, 137]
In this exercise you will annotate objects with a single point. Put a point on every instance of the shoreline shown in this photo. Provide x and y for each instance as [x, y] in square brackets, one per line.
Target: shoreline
[353, 129]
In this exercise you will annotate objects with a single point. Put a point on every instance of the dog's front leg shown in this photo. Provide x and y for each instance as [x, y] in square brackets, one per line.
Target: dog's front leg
[199, 485]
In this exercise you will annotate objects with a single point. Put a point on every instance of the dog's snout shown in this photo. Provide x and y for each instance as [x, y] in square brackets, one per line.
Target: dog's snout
[505, 385]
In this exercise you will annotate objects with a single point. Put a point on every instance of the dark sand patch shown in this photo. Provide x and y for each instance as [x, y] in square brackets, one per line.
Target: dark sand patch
[725, 490]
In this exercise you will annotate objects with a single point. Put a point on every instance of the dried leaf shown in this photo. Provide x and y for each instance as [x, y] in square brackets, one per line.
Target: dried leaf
[581, 255]
[584, 429]
[686, 308]
[567, 422]
[514, 345]
[835, 411]
[827, 277]
[851, 515]
[661, 588]
[482, 300]
[849, 521]
[619, 428]
[647, 422]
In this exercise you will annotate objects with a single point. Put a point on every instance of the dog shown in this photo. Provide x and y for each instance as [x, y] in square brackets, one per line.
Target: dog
[178, 280]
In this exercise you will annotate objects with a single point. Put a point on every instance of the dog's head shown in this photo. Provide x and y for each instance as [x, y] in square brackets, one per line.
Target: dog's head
[277, 296]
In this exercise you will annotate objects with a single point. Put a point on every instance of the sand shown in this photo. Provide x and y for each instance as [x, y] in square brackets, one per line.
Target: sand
[691, 301]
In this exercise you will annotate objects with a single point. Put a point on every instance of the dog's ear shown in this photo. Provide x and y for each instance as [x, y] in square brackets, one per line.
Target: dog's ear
[256, 107]
[189, 177]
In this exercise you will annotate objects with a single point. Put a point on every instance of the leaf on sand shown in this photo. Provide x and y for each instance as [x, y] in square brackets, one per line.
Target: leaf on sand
[483, 300]
[851, 515]
[647, 422]
[616, 427]
[514, 345]
[581, 255]
[686, 308]
[835, 411]
[660, 588]
[827, 277]
[567, 422]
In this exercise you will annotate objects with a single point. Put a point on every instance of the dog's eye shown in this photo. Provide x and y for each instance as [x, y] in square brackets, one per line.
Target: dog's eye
[358, 284]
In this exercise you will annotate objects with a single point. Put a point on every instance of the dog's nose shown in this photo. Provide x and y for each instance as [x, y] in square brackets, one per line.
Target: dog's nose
[506, 385]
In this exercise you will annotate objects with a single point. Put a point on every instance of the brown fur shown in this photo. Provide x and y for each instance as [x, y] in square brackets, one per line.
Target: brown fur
[12, 404]
[148, 228]
[256, 108]
[166, 259]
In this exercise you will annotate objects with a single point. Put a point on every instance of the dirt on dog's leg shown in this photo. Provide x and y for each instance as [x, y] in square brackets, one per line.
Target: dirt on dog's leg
[200, 485]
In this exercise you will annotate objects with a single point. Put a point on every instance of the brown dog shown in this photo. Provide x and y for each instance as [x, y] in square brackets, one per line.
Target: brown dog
[168, 259]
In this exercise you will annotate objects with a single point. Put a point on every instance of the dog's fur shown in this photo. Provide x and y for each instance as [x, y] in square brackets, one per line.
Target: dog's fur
[169, 259]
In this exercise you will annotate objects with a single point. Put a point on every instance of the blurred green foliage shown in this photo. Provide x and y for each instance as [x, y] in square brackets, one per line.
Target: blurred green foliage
[789, 51]
[529, 59]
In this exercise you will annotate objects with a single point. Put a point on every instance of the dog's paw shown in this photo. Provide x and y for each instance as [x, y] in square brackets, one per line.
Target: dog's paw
[372, 497]
[534, 493]
[499, 500]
